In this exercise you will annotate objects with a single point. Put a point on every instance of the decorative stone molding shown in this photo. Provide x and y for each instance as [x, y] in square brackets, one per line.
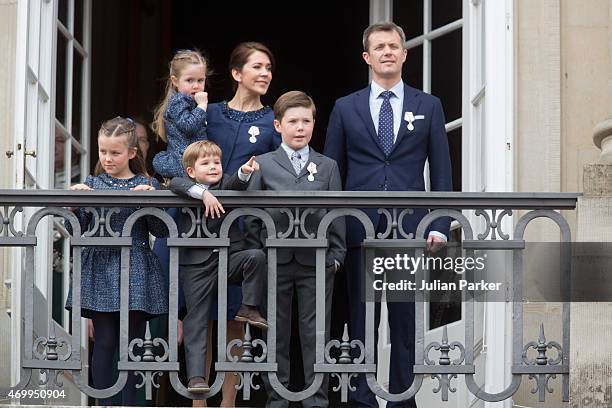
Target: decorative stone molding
[602, 137]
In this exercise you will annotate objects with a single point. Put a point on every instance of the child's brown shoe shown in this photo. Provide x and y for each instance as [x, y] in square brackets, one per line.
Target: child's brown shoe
[251, 315]
[198, 385]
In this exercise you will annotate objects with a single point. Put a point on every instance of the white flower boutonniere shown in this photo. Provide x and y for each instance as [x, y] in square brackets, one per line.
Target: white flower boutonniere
[254, 132]
[312, 170]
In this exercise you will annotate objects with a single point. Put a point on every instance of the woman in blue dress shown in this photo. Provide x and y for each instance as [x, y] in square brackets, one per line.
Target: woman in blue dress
[242, 127]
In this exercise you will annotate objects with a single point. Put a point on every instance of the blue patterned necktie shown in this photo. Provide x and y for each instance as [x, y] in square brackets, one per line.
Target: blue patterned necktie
[296, 160]
[385, 123]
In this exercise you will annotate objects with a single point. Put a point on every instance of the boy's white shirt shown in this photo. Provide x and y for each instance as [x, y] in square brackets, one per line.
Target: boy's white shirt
[198, 189]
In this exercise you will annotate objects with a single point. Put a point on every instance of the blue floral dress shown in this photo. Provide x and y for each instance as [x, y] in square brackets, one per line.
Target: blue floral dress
[185, 124]
[101, 266]
[241, 135]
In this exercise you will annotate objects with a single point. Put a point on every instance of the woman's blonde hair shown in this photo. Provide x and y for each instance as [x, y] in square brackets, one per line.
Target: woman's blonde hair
[123, 127]
[181, 59]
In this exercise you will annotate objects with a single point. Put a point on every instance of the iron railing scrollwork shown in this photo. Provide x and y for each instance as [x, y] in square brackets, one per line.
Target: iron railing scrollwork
[152, 357]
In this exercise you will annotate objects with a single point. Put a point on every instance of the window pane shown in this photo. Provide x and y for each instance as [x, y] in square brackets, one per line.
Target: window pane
[34, 35]
[60, 79]
[77, 94]
[59, 167]
[445, 11]
[61, 266]
[446, 57]
[78, 20]
[454, 146]
[75, 166]
[408, 14]
[412, 71]
[62, 12]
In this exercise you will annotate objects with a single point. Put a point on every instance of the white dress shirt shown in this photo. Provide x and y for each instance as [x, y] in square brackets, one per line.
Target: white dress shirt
[198, 189]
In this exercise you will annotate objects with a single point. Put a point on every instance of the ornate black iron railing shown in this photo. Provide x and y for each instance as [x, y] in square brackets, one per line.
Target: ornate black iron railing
[54, 355]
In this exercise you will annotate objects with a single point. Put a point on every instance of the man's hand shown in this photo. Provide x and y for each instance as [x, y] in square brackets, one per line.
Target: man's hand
[212, 205]
[143, 187]
[434, 243]
[80, 186]
[250, 166]
[201, 99]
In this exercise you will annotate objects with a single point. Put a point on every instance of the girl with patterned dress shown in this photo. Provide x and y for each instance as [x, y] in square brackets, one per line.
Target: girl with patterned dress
[180, 118]
[120, 167]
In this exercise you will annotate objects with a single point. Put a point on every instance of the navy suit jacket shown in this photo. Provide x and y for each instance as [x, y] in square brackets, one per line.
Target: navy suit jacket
[353, 143]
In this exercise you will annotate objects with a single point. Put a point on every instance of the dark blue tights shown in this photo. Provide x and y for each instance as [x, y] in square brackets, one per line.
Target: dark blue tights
[106, 334]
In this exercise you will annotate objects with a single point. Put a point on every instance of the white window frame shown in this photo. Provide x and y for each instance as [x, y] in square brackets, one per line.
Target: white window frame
[35, 93]
[74, 46]
[67, 31]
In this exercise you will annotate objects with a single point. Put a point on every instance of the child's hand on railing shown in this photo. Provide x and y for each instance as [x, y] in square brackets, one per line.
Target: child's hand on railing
[212, 205]
[143, 187]
[80, 186]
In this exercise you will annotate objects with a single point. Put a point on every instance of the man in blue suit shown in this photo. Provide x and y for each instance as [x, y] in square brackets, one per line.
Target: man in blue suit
[381, 137]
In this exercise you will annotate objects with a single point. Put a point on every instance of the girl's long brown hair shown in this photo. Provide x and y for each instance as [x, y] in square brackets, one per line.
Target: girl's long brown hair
[180, 60]
[122, 127]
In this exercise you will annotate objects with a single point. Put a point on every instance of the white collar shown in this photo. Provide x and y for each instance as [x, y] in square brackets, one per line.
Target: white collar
[397, 89]
[304, 151]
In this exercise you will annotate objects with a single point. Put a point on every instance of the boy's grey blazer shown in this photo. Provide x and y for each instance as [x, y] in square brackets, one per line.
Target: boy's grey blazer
[276, 173]
[194, 255]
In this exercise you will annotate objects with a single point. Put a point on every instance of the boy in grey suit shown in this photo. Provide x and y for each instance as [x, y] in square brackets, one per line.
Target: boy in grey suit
[294, 166]
[199, 266]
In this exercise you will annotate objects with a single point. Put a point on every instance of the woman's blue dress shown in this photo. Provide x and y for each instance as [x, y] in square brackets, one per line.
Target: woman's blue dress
[234, 131]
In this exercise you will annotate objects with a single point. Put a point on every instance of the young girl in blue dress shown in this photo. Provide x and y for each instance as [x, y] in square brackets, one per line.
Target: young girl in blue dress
[120, 167]
[180, 118]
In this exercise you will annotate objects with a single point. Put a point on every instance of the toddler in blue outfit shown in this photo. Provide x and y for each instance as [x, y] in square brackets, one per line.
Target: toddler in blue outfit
[180, 119]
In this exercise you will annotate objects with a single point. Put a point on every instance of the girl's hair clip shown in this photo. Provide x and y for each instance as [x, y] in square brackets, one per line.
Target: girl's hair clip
[125, 129]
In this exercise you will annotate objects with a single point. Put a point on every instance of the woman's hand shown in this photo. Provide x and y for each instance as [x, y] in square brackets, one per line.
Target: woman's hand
[143, 187]
[250, 166]
[212, 205]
